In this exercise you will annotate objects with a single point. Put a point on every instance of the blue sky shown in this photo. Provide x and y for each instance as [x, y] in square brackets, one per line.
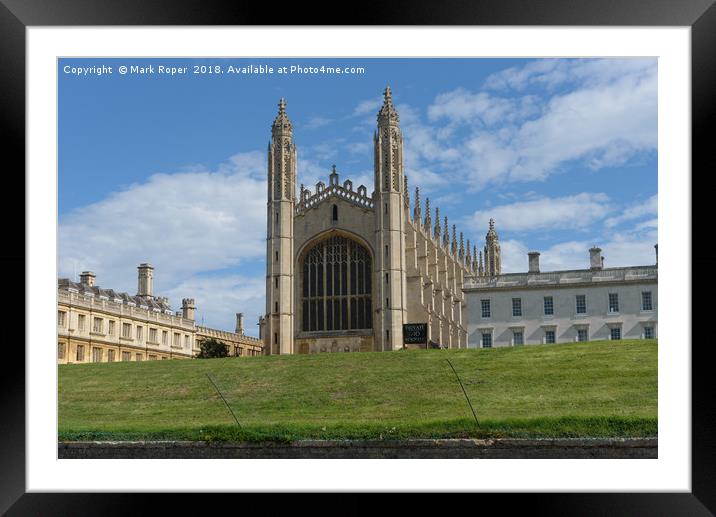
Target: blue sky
[171, 169]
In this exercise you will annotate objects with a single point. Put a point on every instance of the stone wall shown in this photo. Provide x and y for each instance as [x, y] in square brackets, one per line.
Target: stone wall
[615, 448]
[346, 343]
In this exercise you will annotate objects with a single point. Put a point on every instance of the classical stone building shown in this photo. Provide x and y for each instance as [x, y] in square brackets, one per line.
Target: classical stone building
[563, 306]
[103, 325]
[346, 268]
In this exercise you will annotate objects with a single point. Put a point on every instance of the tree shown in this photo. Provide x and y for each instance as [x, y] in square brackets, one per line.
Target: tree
[211, 348]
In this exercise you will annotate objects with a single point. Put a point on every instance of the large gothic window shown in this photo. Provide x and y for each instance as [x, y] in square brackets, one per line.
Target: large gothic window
[337, 286]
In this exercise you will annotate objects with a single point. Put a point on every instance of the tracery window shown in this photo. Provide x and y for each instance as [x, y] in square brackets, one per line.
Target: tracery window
[337, 286]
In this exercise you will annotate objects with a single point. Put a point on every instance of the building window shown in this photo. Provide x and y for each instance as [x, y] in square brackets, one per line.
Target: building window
[582, 335]
[487, 340]
[138, 357]
[276, 256]
[549, 336]
[140, 333]
[110, 356]
[336, 294]
[613, 302]
[153, 335]
[646, 301]
[275, 282]
[615, 333]
[485, 308]
[60, 350]
[177, 339]
[517, 307]
[110, 327]
[96, 355]
[548, 306]
[152, 357]
[80, 322]
[648, 332]
[581, 304]
[165, 337]
[518, 338]
[61, 318]
[126, 356]
[186, 341]
[80, 353]
[97, 325]
[335, 212]
[127, 330]
[275, 306]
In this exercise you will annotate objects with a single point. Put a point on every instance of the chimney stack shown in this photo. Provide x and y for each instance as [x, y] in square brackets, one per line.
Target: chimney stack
[595, 258]
[145, 283]
[533, 257]
[87, 278]
[239, 322]
[188, 309]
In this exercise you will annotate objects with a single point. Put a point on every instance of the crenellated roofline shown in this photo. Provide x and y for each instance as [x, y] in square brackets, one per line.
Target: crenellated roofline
[307, 200]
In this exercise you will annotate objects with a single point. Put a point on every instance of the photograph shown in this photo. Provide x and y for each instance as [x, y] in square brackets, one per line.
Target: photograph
[377, 257]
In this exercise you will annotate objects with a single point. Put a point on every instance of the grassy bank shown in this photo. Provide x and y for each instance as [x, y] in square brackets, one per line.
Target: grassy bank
[596, 389]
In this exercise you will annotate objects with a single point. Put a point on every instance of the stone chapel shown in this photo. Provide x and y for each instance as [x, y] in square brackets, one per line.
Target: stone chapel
[346, 268]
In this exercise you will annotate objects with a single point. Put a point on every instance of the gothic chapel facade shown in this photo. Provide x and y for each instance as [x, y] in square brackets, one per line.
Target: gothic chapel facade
[345, 269]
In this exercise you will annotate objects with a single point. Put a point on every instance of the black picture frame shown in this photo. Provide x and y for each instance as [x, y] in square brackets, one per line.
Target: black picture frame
[16, 15]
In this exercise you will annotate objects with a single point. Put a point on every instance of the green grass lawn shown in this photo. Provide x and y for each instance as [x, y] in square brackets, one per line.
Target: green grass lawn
[594, 389]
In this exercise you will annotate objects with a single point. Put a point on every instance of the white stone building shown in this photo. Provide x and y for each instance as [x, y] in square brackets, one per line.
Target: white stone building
[97, 325]
[562, 306]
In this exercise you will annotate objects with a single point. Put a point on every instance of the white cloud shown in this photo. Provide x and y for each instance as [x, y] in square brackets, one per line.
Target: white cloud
[463, 106]
[617, 252]
[183, 223]
[316, 122]
[651, 224]
[552, 73]
[368, 106]
[603, 114]
[219, 298]
[636, 211]
[569, 212]
[514, 255]
[363, 147]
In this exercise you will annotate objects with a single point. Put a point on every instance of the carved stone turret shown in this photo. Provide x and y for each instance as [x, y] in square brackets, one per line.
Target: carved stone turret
[417, 216]
[390, 227]
[446, 234]
[437, 224]
[493, 261]
[279, 320]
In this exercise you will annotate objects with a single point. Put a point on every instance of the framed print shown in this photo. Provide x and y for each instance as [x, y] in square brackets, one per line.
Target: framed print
[147, 143]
